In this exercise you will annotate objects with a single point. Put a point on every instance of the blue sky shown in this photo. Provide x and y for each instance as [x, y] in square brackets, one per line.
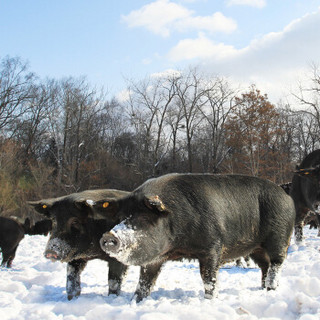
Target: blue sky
[268, 43]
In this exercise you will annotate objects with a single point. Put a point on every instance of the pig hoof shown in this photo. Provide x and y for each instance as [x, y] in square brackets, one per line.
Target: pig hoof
[271, 286]
[138, 298]
[114, 287]
[116, 292]
[73, 295]
[210, 296]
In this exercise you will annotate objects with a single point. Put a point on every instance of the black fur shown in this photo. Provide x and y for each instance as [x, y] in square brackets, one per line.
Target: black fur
[305, 190]
[75, 236]
[12, 232]
[212, 218]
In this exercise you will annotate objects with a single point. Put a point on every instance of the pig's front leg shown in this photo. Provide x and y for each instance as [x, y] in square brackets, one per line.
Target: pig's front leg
[209, 267]
[117, 271]
[74, 269]
[148, 277]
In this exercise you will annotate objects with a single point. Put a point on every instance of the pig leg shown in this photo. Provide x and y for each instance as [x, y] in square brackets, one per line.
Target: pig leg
[74, 269]
[276, 261]
[270, 259]
[272, 280]
[318, 223]
[298, 233]
[209, 267]
[148, 277]
[117, 271]
[260, 257]
[9, 263]
[301, 215]
[8, 256]
[5, 258]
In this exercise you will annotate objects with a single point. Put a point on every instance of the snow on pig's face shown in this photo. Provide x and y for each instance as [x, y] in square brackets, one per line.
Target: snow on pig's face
[142, 236]
[69, 238]
[72, 234]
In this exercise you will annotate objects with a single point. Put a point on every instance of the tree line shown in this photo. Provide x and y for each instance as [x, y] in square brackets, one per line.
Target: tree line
[63, 136]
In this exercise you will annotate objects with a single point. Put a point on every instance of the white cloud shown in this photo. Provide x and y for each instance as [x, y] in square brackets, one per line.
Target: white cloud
[213, 23]
[163, 16]
[251, 3]
[191, 1]
[157, 16]
[274, 60]
[123, 95]
[200, 48]
[166, 73]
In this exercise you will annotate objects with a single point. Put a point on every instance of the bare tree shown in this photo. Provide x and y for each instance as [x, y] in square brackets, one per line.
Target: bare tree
[31, 127]
[149, 102]
[175, 122]
[76, 106]
[16, 88]
[309, 93]
[309, 98]
[218, 107]
[191, 92]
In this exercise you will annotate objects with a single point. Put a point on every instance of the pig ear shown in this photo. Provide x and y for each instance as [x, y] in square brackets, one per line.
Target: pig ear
[102, 208]
[41, 207]
[155, 203]
[84, 209]
[81, 204]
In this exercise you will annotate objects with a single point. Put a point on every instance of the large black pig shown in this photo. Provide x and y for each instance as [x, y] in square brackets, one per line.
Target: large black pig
[212, 218]
[75, 236]
[305, 191]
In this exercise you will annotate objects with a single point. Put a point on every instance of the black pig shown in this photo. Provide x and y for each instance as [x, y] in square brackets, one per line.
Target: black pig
[12, 232]
[212, 218]
[305, 191]
[75, 236]
[42, 227]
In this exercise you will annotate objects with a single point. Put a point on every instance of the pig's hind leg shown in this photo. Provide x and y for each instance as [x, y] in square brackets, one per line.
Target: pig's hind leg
[270, 262]
[260, 257]
[277, 258]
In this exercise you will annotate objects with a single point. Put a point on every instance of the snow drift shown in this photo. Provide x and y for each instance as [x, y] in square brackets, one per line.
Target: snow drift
[35, 289]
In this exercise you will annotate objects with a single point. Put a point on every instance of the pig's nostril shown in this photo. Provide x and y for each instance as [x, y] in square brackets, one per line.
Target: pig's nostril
[51, 255]
[110, 243]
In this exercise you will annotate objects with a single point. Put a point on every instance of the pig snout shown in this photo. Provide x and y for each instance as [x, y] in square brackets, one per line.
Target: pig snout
[52, 255]
[110, 243]
[58, 249]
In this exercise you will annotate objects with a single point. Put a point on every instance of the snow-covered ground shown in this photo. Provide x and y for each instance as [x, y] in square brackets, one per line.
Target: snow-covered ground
[35, 289]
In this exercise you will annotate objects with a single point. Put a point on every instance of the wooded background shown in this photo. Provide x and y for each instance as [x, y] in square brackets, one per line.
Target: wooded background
[59, 136]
